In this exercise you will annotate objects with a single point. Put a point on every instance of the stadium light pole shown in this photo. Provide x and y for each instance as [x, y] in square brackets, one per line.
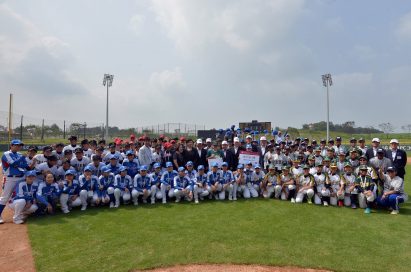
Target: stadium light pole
[107, 81]
[327, 82]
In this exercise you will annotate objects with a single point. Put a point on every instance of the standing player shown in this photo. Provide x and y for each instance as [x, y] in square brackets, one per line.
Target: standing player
[14, 165]
[306, 184]
[122, 185]
[240, 179]
[96, 165]
[249, 190]
[225, 183]
[85, 146]
[24, 203]
[351, 191]
[167, 182]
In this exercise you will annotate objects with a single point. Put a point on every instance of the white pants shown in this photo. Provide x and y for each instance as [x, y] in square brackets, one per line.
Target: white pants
[287, 189]
[199, 191]
[302, 193]
[118, 193]
[85, 197]
[135, 194]
[103, 198]
[179, 193]
[362, 199]
[20, 210]
[9, 185]
[249, 191]
[65, 202]
[321, 192]
[164, 189]
[347, 197]
[334, 199]
[272, 190]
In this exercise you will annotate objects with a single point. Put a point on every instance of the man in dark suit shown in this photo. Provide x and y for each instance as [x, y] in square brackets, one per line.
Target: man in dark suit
[235, 150]
[372, 152]
[202, 155]
[228, 156]
[398, 157]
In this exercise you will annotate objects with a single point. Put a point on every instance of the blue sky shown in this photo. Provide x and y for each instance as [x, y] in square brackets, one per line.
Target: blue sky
[207, 62]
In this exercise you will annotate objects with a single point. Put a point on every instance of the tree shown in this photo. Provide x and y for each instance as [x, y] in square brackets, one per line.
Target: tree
[406, 128]
[386, 127]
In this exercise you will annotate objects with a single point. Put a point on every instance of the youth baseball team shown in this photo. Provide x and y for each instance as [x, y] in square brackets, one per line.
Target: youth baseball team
[148, 170]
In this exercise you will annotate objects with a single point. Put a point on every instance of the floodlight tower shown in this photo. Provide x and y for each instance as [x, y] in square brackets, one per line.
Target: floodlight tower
[108, 80]
[327, 81]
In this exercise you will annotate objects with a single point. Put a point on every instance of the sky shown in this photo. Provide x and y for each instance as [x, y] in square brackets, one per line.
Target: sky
[207, 62]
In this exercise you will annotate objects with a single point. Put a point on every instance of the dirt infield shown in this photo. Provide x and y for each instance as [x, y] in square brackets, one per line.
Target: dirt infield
[15, 254]
[230, 268]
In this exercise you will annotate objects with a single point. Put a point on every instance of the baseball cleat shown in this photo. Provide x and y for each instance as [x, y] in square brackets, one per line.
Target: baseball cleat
[164, 202]
[309, 201]
[177, 200]
[367, 210]
[293, 200]
[18, 222]
[1, 221]
[83, 208]
[395, 212]
[353, 206]
[144, 201]
[111, 205]
[66, 211]
[325, 203]
[196, 202]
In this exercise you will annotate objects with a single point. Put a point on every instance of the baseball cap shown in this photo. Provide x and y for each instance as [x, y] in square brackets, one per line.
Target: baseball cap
[376, 140]
[60, 145]
[31, 173]
[200, 167]
[240, 166]
[199, 141]
[169, 164]
[189, 163]
[85, 141]
[257, 166]
[391, 169]
[182, 139]
[47, 148]
[129, 152]
[181, 169]
[33, 148]
[87, 168]
[361, 140]
[248, 137]
[333, 165]
[271, 167]
[380, 150]
[236, 140]
[143, 168]
[114, 157]
[69, 172]
[214, 164]
[105, 169]
[305, 166]
[224, 164]
[263, 138]
[78, 150]
[96, 157]
[208, 140]
[68, 151]
[364, 167]
[224, 143]
[249, 163]
[248, 146]
[353, 140]
[338, 138]
[363, 157]
[394, 141]
[52, 158]
[122, 168]
[347, 164]
[157, 165]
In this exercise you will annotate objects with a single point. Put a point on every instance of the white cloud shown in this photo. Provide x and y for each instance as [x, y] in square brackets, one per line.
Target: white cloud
[403, 30]
[137, 23]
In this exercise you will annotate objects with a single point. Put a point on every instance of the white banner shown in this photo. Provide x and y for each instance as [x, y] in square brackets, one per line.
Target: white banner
[218, 160]
[248, 156]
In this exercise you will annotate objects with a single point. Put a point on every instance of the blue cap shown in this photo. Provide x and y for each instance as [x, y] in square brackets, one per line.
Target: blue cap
[248, 146]
[224, 164]
[391, 169]
[181, 169]
[169, 164]
[189, 163]
[200, 167]
[122, 168]
[105, 169]
[157, 165]
[130, 152]
[31, 173]
[240, 166]
[114, 157]
[215, 164]
[70, 172]
[88, 168]
[249, 162]
[257, 166]
[143, 168]
[16, 142]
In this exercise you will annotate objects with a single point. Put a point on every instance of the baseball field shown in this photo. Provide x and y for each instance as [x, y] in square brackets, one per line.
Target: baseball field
[259, 232]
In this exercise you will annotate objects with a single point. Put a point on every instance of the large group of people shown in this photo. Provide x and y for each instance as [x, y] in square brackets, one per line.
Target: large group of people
[144, 170]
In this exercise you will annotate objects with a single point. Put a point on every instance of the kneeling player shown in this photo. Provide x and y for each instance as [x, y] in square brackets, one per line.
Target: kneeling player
[201, 187]
[167, 182]
[305, 186]
[48, 195]
[337, 187]
[141, 186]
[104, 194]
[367, 189]
[122, 185]
[270, 185]
[288, 185]
[182, 186]
[70, 193]
[88, 182]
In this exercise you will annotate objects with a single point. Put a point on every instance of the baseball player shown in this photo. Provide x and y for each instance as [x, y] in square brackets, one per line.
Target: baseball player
[58, 152]
[104, 194]
[42, 158]
[370, 172]
[61, 171]
[341, 162]
[156, 183]
[47, 167]
[322, 186]
[296, 170]
[201, 188]
[114, 164]
[306, 184]
[122, 185]
[249, 190]
[351, 191]
[393, 190]
[73, 144]
[88, 184]
[70, 192]
[167, 182]
[367, 190]
[132, 163]
[183, 186]
[257, 177]
[141, 186]
[85, 146]
[240, 179]
[111, 152]
[14, 166]
[225, 184]
[48, 195]
[96, 165]
[79, 162]
[288, 185]
[24, 202]
[337, 187]
[213, 177]
[31, 152]
[270, 185]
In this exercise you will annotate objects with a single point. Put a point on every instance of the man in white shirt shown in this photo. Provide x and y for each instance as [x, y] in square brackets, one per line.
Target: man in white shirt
[145, 155]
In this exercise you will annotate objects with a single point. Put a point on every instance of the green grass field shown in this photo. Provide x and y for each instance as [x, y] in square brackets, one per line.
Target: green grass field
[269, 232]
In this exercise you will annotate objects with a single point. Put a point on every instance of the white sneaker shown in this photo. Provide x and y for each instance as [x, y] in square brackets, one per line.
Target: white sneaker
[66, 211]
[145, 201]
[177, 200]
[395, 212]
[117, 205]
[135, 203]
[234, 198]
[111, 205]
[18, 222]
[1, 221]
[164, 202]
[83, 208]
[325, 203]
[292, 200]
[230, 198]
[196, 201]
